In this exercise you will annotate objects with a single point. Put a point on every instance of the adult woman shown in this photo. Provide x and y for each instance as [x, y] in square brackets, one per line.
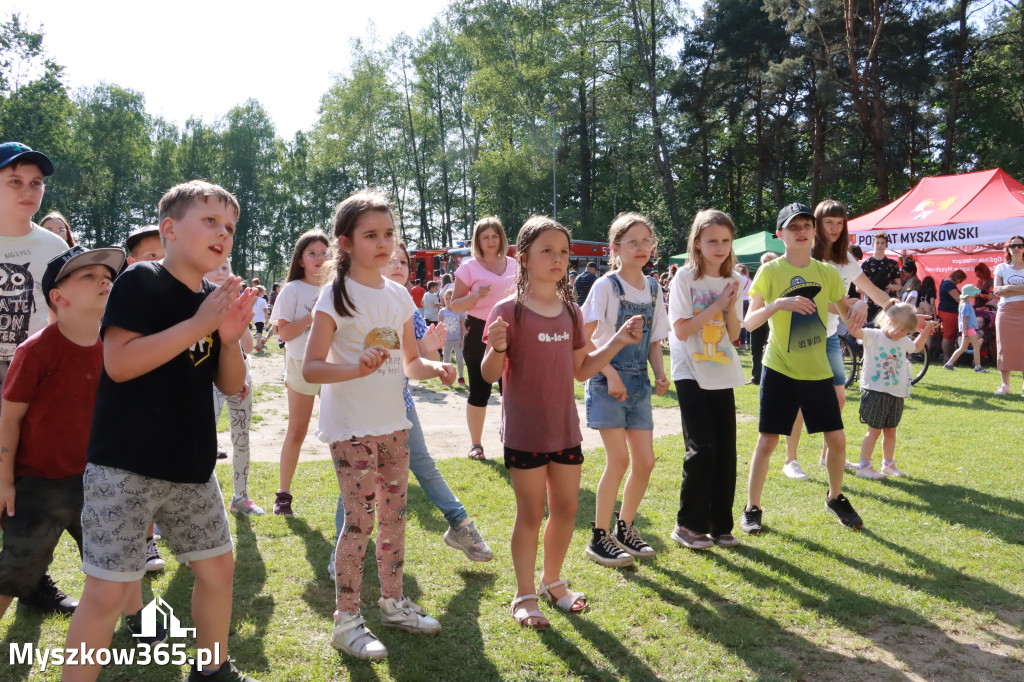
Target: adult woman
[947, 305]
[55, 222]
[985, 284]
[832, 245]
[480, 282]
[1009, 288]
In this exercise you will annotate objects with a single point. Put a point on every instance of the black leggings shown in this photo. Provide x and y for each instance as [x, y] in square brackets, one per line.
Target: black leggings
[473, 349]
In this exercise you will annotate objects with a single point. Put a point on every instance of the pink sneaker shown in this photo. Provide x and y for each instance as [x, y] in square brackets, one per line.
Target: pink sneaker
[869, 472]
[889, 469]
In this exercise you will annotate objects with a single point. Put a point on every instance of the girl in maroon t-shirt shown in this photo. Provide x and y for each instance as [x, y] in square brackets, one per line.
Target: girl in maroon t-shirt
[537, 346]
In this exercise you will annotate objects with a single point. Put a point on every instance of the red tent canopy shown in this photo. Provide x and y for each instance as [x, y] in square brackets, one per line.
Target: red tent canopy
[948, 212]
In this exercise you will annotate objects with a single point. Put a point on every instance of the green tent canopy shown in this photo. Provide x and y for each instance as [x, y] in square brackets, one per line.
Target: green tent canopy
[748, 249]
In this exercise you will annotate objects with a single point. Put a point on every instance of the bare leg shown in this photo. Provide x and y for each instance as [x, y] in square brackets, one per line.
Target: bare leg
[841, 395]
[300, 409]
[641, 454]
[867, 446]
[617, 452]
[475, 417]
[888, 444]
[959, 351]
[766, 443]
[793, 439]
[836, 442]
[563, 483]
[211, 603]
[529, 488]
[92, 625]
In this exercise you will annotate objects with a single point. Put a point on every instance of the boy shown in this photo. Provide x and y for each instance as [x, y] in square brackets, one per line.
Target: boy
[143, 244]
[792, 294]
[25, 249]
[431, 303]
[44, 423]
[167, 334]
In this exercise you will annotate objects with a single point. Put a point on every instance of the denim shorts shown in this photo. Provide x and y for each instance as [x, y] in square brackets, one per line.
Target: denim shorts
[835, 360]
[605, 412]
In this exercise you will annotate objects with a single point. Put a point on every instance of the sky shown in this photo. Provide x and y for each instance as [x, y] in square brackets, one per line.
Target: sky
[202, 58]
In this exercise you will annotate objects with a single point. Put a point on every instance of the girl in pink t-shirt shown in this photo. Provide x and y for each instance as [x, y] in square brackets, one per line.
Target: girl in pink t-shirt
[535, 342]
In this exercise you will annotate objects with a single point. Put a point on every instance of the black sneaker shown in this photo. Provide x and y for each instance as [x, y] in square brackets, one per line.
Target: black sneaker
[227, 673]
[627, 537]
[49, 599]
[133, 624]
[843, 510]
[750, 521]
[221, 453]
[603, 550]
[283, 504]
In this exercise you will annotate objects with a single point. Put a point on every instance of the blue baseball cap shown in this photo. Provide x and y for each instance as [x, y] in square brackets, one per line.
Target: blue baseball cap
[12, 151]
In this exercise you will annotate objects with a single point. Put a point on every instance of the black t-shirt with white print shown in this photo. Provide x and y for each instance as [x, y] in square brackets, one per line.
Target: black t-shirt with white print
[160, 424]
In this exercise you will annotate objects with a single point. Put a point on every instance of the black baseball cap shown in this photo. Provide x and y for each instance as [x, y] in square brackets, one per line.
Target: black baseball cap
[592, 264]
[140, 233]
[787, 214]
[76, 258]
[12, 151]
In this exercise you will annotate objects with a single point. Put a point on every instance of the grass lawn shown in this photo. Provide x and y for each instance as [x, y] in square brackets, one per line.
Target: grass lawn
[930, 590]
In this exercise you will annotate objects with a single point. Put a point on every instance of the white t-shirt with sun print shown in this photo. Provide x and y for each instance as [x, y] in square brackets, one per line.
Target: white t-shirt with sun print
[370, 405]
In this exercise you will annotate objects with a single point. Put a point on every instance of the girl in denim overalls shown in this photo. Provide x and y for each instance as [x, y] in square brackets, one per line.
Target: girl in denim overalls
[619, 398]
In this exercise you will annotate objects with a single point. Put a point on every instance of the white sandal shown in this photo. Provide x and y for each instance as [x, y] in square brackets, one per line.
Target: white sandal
[351, 635]
[523, 615]
[568, 601]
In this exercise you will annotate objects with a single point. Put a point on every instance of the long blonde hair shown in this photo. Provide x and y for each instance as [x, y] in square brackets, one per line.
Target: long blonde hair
[702, 221]
[619, 227]
[534, 226]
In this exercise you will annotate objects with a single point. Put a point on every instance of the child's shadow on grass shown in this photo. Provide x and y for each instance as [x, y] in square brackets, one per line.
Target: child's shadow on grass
[1001, 516]
[858, 613]
[247, 602]
[26, 628]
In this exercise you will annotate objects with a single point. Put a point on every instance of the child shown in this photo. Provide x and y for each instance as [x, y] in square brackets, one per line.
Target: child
[364, 325]
[618, 398]
[168, 335]
[455, 324]
[967, 322]
[25, 249]
[44, 423]
[885, 381]
[431, 303]
[536, 343]
[705, 308]
[293, 316]
[792, 294]
[240, 416]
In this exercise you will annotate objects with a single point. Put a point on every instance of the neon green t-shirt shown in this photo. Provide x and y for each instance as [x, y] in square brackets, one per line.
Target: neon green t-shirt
[796, 344]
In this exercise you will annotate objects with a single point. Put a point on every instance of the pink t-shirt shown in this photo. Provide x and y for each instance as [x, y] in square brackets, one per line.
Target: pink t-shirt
[473, 275]
[538, 408]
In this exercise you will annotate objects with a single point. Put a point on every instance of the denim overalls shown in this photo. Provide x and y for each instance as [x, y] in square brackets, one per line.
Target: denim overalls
[604, 411]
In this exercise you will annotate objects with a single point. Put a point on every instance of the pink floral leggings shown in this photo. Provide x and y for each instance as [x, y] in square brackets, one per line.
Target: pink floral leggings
[373, 475]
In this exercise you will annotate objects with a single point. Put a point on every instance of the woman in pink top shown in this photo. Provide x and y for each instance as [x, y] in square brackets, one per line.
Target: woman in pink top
[480, 282]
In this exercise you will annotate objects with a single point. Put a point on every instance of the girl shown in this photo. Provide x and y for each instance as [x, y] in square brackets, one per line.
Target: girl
[885, 381]
[1009, 288]
[240, 416]
[967, 325]
[705, 308]
[455, 324]
[535, 342]
[56, 222]
[293, 316]
[619, 396]
[480, 282]
[832, 245]
[362, 340]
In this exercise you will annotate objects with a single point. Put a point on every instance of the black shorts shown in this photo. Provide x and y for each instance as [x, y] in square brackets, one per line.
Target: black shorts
[880, 410]
[782, 397]
[521, 459]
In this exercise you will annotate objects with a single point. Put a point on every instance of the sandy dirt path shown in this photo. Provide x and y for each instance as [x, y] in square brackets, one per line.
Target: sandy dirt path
[442, 414]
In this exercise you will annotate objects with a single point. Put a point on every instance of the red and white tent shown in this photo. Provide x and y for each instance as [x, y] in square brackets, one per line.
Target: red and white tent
[949, 222]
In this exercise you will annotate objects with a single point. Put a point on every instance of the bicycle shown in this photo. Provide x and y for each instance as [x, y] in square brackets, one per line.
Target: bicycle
[853, 351]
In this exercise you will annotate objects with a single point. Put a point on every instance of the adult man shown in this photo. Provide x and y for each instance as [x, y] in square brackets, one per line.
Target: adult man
[585, 281]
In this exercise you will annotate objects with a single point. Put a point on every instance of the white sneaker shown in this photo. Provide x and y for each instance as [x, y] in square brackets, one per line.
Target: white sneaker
[869, 472]
[468, 540]
[850, 466]
[793, 470]
[245, 507]
[405, 615]
[351, 635]
[330, 567]
[889, 469]
[1004, 390]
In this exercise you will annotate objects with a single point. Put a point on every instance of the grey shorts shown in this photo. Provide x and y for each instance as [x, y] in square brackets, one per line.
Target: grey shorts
[118, 507]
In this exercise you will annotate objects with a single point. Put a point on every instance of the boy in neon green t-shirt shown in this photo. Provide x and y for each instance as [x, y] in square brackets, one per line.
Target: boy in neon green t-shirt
[793, 294]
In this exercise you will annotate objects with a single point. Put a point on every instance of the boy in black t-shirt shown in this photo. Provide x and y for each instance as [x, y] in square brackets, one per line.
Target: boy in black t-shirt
[167, 335]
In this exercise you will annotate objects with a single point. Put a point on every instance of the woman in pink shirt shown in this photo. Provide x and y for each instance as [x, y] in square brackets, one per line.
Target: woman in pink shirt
[480, 282]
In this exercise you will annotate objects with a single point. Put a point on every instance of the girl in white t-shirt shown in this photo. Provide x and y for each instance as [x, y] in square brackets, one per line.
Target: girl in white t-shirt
[361, 348]
[619, 397]
[885, 381]
[704, 310]
[832, 245]
[293, 315]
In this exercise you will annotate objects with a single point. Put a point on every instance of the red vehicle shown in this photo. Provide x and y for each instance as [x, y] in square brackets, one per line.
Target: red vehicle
[427, 264]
